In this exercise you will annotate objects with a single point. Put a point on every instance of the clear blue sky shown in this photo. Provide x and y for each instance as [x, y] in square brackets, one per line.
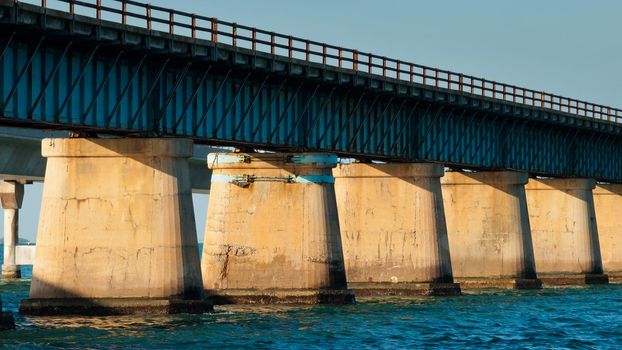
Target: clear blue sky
[568, 47]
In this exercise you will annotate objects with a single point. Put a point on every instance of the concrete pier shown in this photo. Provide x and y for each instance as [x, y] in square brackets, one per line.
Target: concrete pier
[11, 196]
[6, 319]
[563, 227]
[393, 229]
[488, 228]
[116, 231]
[272, 232]
[607, 204]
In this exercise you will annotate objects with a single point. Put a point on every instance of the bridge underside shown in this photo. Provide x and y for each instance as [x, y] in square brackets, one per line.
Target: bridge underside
[76, 73]
[21, 160]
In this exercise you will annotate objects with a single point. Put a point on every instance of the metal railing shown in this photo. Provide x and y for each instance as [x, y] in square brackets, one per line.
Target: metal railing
[259, 40]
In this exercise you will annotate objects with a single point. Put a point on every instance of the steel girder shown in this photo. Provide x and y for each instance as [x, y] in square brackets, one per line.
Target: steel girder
[50, 80]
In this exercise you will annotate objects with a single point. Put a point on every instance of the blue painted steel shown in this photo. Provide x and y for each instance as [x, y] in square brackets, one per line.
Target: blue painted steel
[76, 73]
[224, 158]
[247, 179]
[329, 159]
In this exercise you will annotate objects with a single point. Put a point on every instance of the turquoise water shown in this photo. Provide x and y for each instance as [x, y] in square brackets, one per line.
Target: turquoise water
[572, 318]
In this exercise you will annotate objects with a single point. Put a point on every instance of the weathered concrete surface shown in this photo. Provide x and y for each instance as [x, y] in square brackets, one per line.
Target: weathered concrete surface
[488, 228]
[564, 232]
[607, 204]
[11, 197]
[25, 254]
[272, 232]
[6, 319]
[117, 224]
[393, 229]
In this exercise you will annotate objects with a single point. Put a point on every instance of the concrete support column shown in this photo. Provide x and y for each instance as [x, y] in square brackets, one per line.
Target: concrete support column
[393, 229]
[272, 232]
[11, 196]
[563, 227]
[6, 319]
[607, 204]
[116, 231]
[489, 233]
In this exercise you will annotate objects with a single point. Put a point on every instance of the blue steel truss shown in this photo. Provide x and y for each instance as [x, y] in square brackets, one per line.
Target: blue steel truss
[66, 71]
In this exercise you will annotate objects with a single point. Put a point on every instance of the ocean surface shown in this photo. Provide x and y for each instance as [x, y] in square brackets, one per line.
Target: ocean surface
[557, 318]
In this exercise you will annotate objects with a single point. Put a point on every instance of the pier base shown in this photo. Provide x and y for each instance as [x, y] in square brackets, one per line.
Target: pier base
[116, 232]
[11, 196]
[393, 229]
[607, 204]
[564, 231]
[488, 228]
[272, 232]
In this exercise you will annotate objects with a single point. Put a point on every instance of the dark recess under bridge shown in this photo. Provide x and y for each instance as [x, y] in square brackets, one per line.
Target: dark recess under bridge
[137, 70]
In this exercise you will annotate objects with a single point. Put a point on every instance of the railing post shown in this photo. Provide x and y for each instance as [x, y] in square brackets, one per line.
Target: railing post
[484, 87]
[355, 60]
[290, 49]
[542, 99]
[254, 39]
[425, 75]
[460, 82]
[608, 113]
[171, 20]
[272, 43]
[324, 54]
[533, 98]
[234, 34]
[99, 9]
[398, 69]
[449, 80]
[412, 72]
[71, 6]
[504, 93]
[384, 66]
[214, 30]
[514, 94]
[124, 12]
[194, 26]
[370, 64]
[494, 89]
[148, 15]
[436, 77]
[340, 57]
[308, 51]
[43, 4]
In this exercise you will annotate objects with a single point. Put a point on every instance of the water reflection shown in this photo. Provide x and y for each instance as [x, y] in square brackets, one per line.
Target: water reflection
[557, 317]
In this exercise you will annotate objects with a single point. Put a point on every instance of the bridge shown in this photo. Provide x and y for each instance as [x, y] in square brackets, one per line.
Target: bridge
[137, 85]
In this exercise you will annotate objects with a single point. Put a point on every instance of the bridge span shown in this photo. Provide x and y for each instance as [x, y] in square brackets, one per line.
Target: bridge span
[456, 181]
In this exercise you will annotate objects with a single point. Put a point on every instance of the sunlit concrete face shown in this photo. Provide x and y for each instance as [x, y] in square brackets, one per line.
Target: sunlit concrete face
[11, 197]
[564, 231]
[272, 233]
[116, 231]
[393, 228]
[488, 228]
[607, 204]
